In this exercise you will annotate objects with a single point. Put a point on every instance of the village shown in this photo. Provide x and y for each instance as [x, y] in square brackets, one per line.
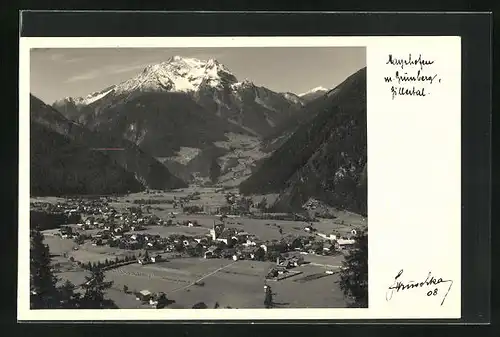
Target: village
[156, 230]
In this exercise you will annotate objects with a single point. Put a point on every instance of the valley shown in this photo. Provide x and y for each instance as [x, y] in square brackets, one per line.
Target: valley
[229, 282]
[186, 183]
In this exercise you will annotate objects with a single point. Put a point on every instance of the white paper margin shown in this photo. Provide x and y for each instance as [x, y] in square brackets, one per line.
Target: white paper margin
[414, 191]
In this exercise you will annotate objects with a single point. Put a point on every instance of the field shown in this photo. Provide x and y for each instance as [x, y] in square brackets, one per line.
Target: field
[230, 284]
[233, 284]
[236, 284]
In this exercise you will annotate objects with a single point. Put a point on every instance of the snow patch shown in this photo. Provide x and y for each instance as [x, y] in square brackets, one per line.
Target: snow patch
[179, 74]
[259, 101]
[320, 88]
[185, 155]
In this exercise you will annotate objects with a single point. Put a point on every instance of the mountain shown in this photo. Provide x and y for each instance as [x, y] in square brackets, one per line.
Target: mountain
[209, 84]
[310, 108]
[65, 136]
[313, 94]
[59, 166]
[325, 157]
[186, 106]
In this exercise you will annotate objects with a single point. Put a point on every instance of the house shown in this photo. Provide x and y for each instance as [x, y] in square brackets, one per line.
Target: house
[228, 253]
[330, 236]
[156, 258]
[249, 252]
[212, 252]
[249, 243]
[143, 261]
[221, 240]
[144, 295]
[345, 243]
[134, 244]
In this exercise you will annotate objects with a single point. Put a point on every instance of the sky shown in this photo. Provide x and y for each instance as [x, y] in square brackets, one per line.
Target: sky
[57, 73]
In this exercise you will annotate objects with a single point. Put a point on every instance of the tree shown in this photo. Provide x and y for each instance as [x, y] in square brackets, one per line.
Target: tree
[79, 239]
[215, 171]
[354, 274]
[200, 305]
[262, 205]
[95, 287]
[268, 299]
[162, 301]
[260, 254]
[69, 299]
[42, 281]
[272, 255]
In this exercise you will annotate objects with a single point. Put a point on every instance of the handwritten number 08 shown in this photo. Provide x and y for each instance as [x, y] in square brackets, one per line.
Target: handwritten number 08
[434, 293]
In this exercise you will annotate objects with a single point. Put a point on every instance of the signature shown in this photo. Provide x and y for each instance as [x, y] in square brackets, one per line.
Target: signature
[430, 281]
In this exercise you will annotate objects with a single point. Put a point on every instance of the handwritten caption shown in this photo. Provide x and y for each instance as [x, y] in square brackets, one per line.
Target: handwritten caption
[411, 75]
[430, 285]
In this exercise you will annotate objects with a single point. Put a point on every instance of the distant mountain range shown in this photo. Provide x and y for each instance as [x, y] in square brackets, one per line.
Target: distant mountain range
[186, 105]
[181, 120]
[66, 158]
[184, 84]
[325, 157]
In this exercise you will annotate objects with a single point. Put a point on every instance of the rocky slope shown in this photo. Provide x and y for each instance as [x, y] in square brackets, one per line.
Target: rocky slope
[55, 137]
[185, 103]
[313, 94]
[324, 157]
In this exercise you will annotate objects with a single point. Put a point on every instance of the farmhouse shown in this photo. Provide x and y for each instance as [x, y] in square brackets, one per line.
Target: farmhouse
[143, 295]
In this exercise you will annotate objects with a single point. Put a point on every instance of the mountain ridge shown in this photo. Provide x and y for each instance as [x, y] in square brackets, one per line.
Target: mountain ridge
[325, 157]
[147, 170]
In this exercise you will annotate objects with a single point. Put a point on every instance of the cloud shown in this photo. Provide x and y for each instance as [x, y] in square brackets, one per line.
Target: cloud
[59, 57]
[126, 69]
[56, 57]
[90, 75]
[104, 71]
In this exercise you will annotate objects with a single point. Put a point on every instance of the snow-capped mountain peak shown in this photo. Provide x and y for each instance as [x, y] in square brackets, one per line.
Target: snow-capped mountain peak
[178, 73]
[86, 100]
[313, 90]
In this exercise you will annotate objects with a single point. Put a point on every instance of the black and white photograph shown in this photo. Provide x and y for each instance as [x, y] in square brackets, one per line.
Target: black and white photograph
[198, 178]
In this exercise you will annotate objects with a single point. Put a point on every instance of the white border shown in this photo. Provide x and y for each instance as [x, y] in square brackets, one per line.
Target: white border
[376, 310]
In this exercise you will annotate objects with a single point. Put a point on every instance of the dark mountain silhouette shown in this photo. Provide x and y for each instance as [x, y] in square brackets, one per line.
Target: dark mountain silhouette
[59, 166]
[160, 123]
[324, 156]
[56, 137]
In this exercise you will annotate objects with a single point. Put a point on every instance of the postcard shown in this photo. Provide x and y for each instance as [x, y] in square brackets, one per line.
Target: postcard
[161, 175]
